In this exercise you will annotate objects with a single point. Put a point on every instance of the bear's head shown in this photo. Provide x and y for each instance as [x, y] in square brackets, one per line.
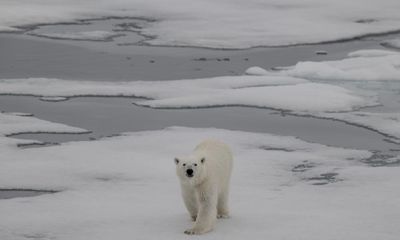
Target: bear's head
[191, 169]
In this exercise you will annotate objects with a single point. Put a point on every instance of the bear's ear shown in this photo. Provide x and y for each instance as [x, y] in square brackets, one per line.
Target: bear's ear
[176, 161]
[203, 160]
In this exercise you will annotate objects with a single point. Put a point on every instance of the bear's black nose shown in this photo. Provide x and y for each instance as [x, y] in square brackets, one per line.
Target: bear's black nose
[189, 172]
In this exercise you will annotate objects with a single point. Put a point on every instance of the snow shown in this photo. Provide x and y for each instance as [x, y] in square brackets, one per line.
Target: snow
[392, 43]
[221, 23]
[125, 187]
[88, 35]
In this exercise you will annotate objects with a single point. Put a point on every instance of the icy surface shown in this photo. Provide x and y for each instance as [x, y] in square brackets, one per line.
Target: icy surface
[221, 23]
[286, 93]
[126, 187]
[89, 36]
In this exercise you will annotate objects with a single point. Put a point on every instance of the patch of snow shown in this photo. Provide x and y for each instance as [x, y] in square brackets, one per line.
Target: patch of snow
[221, 23]
[88, 36]
[258, 71]
[286, 93]
[53, 99]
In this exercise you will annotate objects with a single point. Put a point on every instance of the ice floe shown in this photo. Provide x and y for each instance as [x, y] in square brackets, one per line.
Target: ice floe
[219, 23]
[14, 123]
[299, 97]
[88, 36]
[365, 65]
[287, 93]
[126, 186]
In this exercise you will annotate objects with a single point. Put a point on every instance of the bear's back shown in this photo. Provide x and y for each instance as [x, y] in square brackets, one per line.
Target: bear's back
[218, 157]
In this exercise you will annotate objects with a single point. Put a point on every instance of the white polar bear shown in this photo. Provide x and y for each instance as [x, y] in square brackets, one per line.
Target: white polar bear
[204, 176]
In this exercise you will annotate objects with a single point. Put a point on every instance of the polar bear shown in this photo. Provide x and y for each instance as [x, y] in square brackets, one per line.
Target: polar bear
[204, 176]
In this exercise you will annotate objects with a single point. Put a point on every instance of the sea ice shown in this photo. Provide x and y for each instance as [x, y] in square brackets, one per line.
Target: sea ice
[287, 93]
[220, 23]
[125, 187]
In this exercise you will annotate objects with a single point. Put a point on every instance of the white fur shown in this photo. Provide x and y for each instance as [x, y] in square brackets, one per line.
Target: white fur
[206, 193]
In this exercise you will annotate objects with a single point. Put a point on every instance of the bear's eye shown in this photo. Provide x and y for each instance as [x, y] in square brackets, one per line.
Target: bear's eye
[184, 164]
[195, 164]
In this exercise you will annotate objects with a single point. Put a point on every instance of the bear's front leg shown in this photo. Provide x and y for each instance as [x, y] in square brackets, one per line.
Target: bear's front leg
[191, 201]
[207, 214]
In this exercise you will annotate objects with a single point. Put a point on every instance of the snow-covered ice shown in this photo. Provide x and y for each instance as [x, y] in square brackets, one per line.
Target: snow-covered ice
[125, 187]
[88, 35]
[287, 93]
[221, 23]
